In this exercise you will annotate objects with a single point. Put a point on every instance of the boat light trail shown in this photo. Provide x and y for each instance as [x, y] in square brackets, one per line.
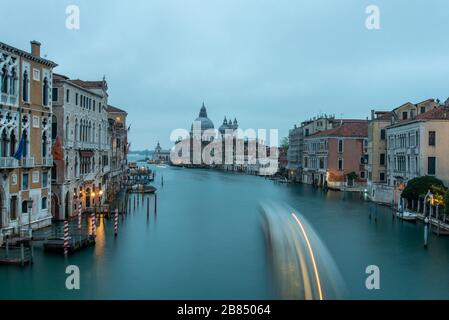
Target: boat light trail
[317, 276]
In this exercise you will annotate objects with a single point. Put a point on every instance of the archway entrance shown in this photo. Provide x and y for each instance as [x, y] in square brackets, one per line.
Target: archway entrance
[54, 207]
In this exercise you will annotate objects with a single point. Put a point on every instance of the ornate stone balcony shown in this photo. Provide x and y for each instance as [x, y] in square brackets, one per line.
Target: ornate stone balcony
[8, 163]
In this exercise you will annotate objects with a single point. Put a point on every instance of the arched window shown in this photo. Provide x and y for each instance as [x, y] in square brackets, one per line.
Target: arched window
[25, 82]
[12, 144]
[4, 80]
[12, 83]
[76, 166]
[99, 133]
[54, 127]
[67, 167]
[44, 144]
[76, 130]
[25, 143]
[54, 172]
[4, 144]
[67, 128]
[45, 90]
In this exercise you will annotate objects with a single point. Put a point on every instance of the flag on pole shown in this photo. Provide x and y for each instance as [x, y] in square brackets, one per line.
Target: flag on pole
[19, 153]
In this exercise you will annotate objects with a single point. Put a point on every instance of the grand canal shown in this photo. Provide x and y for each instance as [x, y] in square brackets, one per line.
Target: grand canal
[206, 242]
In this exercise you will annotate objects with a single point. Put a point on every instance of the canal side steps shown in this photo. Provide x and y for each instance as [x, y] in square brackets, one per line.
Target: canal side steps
[78, 239]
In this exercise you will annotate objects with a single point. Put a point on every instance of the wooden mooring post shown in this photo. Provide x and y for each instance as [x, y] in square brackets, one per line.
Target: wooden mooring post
[155, 203]
[22, 254]
[148, 205]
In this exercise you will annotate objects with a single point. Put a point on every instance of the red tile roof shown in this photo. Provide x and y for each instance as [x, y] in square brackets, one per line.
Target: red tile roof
[441, 113]
[115, 109]
[349, 128]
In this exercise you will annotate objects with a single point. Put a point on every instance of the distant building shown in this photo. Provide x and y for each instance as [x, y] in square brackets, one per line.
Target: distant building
[160, 155]
[331, 155]
[296, 139]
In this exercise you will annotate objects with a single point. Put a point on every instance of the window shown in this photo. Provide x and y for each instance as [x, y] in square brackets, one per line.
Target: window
[76, 99]
[24, 206]
[404, 115]
[44, 179]
[35, 176]
[54, 127]
[340, 164]
[382, 176]
[306, 162]
[36, 75]
[362, 174]
[67, 96]
[382, 159]
[340, 146]
[432, 138]
[431, 165]
[423, 109]
[45, 89]
[25, 181]
[12, 144]
[321, 163]
[44, 203]
[25, 89]
[4, 80]
[382, 134]
[54, 95]
[13, 208]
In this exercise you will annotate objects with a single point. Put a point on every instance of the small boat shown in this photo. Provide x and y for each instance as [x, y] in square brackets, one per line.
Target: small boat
[406, 215]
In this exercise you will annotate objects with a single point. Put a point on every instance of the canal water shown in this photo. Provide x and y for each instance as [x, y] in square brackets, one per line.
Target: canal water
[206, 242]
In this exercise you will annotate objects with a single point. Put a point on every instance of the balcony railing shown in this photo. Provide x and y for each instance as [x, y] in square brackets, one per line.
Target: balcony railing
[47, 162]
[8, 163]
[28, 162]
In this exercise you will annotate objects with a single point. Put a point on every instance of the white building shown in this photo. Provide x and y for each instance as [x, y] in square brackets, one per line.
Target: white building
[418, 147]
[81, 122]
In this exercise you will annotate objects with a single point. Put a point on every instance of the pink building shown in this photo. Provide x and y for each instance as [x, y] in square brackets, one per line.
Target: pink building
[336, 158]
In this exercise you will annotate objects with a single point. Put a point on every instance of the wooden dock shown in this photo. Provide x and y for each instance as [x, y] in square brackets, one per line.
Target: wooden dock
[56, 244]
[16, 255]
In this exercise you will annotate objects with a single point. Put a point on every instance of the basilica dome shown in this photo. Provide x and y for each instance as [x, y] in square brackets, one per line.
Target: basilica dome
[206, 123]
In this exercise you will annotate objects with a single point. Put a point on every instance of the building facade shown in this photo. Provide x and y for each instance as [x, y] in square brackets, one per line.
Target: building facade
[119, 147]
[25, 139]
[379, 189]
[418, 147]
[296, 146]
[80, 126]
[330, 156]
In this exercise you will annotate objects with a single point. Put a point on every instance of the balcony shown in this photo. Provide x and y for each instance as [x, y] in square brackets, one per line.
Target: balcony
[8, 163]
[47, 162]
[28, 162]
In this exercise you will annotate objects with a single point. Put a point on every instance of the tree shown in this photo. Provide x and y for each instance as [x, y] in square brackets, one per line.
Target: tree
[351, 176]
[418, 187]
[285, 143]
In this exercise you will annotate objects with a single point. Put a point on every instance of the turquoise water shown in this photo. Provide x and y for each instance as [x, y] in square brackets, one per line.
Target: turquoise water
[206, 242]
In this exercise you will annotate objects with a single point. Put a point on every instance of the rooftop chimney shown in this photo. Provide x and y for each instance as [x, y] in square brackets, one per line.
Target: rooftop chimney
[36, 48]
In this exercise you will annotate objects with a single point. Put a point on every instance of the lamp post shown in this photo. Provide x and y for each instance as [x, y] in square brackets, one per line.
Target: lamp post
[100, 195]
[30, 207]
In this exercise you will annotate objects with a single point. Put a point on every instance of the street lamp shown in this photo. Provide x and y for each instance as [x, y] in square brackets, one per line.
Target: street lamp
[30, 207]
[100, 195]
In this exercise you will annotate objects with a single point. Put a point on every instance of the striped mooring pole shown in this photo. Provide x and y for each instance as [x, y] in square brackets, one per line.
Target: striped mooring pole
[79, 217]
[94, 224]
[66, 237]
[116, 222]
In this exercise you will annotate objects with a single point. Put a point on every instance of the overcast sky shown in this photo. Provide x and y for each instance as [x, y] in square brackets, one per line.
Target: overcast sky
[271, 63]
